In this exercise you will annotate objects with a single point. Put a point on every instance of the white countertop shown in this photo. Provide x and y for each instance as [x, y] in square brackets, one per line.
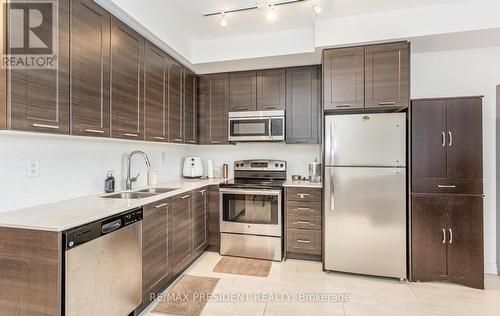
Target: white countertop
[59, 216]
[303, 184]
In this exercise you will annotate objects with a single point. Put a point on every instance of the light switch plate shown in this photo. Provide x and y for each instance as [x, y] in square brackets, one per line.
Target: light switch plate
[33, 168]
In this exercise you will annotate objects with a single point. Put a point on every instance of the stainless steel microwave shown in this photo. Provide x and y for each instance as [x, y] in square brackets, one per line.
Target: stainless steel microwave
[257, 126]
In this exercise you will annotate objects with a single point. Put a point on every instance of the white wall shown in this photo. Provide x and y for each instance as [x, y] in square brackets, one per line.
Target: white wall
[297, 156]
[460, 73]
[74, 166]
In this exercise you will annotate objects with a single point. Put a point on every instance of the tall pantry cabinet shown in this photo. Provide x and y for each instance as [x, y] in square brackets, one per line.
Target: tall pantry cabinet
[447, 191]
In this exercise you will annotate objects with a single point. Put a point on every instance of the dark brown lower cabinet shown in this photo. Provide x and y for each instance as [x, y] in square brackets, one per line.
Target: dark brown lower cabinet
[156, 249]
[200, 220]
[213, 218]
[447, 239]
[182, 231]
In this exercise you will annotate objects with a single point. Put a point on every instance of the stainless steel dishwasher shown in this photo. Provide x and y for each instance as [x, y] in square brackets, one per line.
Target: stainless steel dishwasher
[103, 266]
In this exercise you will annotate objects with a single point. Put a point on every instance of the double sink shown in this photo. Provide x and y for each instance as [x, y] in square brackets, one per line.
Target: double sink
[145, 193]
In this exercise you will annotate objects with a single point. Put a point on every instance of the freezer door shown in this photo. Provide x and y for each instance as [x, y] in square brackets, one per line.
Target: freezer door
[365, 221]
[365, 140]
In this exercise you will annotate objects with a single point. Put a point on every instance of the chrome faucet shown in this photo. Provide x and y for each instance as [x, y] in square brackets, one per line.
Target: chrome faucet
[129, 181]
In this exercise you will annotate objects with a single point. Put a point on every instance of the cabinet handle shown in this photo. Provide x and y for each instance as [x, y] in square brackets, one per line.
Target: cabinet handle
[444, 236]
[451, 138]
[271, 107]
[192, 141]
[441, 186]
[45, 126]
[303, 222]
[451, 235]
[443, 139]
[387, 103]
[302, 195]
[178, 139]
[344, 106]
[161, 205]
[131, 135]
[304, 209]
[185, 196]
[158, 137]
[302, 241]
[96, 131]
[241, 109]
[215, 141]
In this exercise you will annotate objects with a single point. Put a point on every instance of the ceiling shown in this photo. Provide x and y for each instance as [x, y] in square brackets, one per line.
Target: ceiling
[187, 15]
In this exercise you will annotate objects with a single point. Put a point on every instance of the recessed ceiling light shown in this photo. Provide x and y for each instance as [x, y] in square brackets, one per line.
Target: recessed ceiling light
[271, 13]
[223, 21]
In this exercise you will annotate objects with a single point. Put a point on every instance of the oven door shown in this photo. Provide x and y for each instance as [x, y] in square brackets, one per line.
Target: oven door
[256, 212]
[249, 129]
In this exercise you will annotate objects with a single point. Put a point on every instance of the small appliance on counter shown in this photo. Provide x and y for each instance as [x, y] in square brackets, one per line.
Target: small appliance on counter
[315, 171]
[193, 167]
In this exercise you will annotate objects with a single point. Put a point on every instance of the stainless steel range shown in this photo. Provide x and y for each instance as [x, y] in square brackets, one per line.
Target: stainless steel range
[251, 210]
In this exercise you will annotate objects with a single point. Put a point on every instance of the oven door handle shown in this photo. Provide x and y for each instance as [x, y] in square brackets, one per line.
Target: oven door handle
[247, 192]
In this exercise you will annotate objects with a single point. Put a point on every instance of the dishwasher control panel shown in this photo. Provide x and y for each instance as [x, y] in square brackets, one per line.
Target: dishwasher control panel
[88, 232]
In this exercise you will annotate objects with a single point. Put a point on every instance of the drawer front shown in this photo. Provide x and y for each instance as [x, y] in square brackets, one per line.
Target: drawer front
[304, 241]
[443, 186]
[302, 209]
[304, 194]
[310, 222]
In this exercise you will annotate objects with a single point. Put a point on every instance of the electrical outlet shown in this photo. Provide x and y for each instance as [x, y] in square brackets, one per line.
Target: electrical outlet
[33, 169]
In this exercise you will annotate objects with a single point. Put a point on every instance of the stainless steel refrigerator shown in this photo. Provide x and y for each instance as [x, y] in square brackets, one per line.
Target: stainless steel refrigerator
[365, 194]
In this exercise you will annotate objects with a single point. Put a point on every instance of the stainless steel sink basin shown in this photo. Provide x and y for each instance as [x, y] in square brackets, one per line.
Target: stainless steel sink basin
[130, 195]
[157, 190]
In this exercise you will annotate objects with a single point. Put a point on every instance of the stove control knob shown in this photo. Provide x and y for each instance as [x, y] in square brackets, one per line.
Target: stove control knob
[242, 164]
[276, 165]
[237, 165]
[282, 165]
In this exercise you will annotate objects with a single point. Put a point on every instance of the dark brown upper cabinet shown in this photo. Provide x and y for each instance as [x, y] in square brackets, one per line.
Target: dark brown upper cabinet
[303, 105]
[271, 89]
[39, 98]
[190, 108]
[447, 239]
[175, 104]
[243, 91]
[127, 58]
[155, 94]
[387, 75]
[89, 57]
[344, 78]
[447, 146]
[213, 108]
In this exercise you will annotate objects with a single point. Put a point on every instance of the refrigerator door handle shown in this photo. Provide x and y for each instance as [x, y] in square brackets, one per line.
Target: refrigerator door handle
[332, 145]
[332, 193]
